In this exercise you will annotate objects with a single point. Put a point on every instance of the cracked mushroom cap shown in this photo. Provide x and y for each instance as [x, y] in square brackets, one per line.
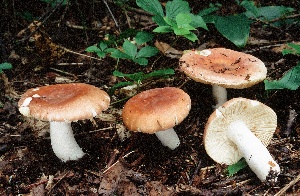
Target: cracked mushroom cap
[223, 67]
[64, 102]
[259, 118]
[156, 109]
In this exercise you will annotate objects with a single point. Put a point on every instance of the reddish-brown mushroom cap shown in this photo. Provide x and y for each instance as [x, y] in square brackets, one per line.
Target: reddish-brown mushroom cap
[223, 67]
[64, 102]
[156, 109]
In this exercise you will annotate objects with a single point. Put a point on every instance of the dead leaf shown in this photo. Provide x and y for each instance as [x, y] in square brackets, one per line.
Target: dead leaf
[167, 50]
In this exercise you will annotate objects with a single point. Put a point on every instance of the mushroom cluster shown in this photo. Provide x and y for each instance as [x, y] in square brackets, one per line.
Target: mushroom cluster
[61, 104]
[223, 68]
[237, 128]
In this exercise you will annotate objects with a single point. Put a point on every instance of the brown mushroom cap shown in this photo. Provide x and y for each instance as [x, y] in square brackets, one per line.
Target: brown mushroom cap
[64, 102]
[223, 67]
[259, 118]
[156, 109]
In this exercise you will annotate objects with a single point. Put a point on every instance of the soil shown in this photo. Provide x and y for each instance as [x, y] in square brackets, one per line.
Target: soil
[117, 161]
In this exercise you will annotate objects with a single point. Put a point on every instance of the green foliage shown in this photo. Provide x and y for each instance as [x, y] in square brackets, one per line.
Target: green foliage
[5, 66]
[290, 80]
[293, 49]
[138, 77]
[131, 51]
[236, 27]
[177, 17]
[234, 168]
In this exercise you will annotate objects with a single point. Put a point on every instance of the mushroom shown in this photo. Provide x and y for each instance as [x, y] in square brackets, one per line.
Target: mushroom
[157, 111]
[222, 68]
[242, 128]
[60, 105]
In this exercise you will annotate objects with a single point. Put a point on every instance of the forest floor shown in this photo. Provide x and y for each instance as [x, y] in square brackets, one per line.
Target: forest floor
[119, 162]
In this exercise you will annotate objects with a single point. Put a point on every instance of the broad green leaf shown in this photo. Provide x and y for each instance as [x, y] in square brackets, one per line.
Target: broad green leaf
[212, 8]
[235, 28]
[197, 21]
[102, 46]
[170, 21]
[163, 29]
[183, 21]
[141, 61]
[290, 80]
[119, 54]
[135, 76]
[159, 73]
[191, 36]
[92, 49]
[234, 168]
[153, 6]
[181, 31]
[129, 48]
[270, 12]
[143, 37]
[5, 66]
[293, 49]
[175, 7]
[250, 6]
[147, 51]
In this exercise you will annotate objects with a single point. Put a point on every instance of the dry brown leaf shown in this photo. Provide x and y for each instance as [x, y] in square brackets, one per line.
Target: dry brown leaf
[168, 50]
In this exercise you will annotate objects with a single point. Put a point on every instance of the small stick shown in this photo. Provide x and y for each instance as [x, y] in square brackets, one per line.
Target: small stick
[284, 189]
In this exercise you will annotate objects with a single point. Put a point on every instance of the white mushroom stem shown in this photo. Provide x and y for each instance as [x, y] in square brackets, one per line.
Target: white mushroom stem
[220, 94]
[168, 138]
[63, 142]
[252, 149]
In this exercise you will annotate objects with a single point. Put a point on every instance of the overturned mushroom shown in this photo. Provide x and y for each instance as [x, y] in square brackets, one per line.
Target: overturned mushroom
[242, 128]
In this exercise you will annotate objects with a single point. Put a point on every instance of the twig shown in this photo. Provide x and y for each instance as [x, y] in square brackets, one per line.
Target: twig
[117, 25]
[284, 189]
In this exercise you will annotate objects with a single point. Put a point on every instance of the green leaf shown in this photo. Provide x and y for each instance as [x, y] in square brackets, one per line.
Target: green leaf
[175, 7]
[191, 36]
[143, 37]
[159, 73]
[212, 8]
[293, 49]
[290, 80]
[5, 66]
[197, 21]
[92, 49]
[119, 54]
[102, 46]
[147, 51]
[183, 21]
[235, 28]
[250, 6]
[268, 13]
[234, 168]
[135, 76]
[119, 85]
[163, 29]
[153, 6]
[129, 48]
[141, 61]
